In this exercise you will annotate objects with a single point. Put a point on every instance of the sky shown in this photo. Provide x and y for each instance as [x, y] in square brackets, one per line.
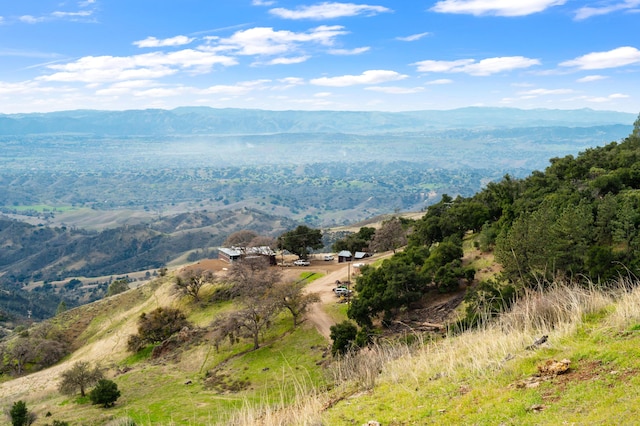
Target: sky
[376, 55]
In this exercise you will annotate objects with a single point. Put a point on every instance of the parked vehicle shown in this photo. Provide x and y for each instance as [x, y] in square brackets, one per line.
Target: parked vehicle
[342, 291]
[328, 257]
[302, 262]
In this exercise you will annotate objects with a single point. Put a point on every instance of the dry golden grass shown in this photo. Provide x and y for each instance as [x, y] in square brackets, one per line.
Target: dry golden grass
[557, 312]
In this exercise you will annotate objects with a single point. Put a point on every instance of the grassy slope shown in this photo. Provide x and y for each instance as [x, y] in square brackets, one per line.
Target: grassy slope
[486, 376]
[489, 377]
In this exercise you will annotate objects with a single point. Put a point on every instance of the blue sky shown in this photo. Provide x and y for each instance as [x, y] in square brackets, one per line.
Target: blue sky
[382, 55]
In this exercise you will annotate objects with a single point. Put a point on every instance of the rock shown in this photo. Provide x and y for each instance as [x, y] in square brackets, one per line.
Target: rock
[552, 367]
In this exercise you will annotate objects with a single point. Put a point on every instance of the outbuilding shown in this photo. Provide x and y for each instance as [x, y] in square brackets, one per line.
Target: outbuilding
[345, 256]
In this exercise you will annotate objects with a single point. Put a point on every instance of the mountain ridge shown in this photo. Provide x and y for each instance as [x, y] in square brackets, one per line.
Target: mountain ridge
[232, 121]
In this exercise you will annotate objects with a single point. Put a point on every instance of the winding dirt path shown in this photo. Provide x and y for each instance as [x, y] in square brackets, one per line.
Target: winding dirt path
[324, 288]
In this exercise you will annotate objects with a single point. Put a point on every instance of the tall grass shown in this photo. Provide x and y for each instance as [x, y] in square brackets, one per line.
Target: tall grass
[557, 311]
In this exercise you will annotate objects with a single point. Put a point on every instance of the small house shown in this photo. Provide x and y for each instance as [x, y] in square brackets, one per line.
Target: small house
[359, 255]
[234, 254]
[345, 256]
[229, 255]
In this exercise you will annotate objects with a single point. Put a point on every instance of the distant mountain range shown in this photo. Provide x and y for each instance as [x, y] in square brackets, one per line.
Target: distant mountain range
[205, 120]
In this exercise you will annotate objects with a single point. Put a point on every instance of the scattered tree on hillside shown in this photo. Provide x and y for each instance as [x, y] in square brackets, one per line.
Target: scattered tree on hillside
[78, 378]
[18, 354]
[358, 241]
[252, 275]
[20, 415]
[105, 393]
[390, 236]
[118, 286]
[191, 281]
[301, 240]
[240, 239]
[157, 326]
[385, 290]
[247, 238]
[343, 336]
[251, 320]
[291, 296]
[62, 307]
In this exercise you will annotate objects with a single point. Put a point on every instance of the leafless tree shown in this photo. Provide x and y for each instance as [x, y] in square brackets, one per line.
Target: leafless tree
[192, 281]
[252, 275]
[291, 296]
[240, 238]
[390, 236]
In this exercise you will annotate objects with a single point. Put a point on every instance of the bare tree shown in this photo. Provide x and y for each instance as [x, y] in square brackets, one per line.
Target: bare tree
[20, 352]
[79, 377]
[291, 296]
[252, 275]
[390, 236]
[250, 321]
[192, 281]
[240, 238]
[262, 241]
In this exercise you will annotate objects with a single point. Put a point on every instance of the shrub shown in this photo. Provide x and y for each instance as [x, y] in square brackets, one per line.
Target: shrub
[20, 415]
[343, 336]
[157, 326]
[79, 377]
[105, 393]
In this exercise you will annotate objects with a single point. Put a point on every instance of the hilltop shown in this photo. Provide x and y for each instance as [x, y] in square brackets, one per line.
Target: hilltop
[229, 121]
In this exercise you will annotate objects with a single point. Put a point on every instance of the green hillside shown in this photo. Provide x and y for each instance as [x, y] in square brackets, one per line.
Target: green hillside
[547, 334]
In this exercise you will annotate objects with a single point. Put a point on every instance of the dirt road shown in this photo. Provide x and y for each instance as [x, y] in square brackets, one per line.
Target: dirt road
[324, 288]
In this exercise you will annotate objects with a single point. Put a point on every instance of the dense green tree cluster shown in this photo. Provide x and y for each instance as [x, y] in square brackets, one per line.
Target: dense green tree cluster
[357, 241]
[579, 221]
[301, 241]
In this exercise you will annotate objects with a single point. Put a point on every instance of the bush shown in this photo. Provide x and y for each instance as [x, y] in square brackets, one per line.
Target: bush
[105, 393]
[157, 326]
[20, 416]
[343, 336]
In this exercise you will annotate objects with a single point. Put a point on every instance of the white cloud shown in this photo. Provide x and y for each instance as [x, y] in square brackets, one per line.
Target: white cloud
[544, 92]
[495, 7]
[395, 90]
[586, 12]
[328, 10]
[484, 67]
[266, 41]
[440, 81]
[285, 61]
[92, 69]
[610, 59]
[367, 77]
[292, 81]
[322, 94]
[154, 42]
[590, 78]
[82, 13]
[162, 92]
[241, 88]
[413, 37]
[14, 88]
[262, 2]
[346, 52]
[27, 53]
[603, 99]
[28, 19]
[124, 87]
